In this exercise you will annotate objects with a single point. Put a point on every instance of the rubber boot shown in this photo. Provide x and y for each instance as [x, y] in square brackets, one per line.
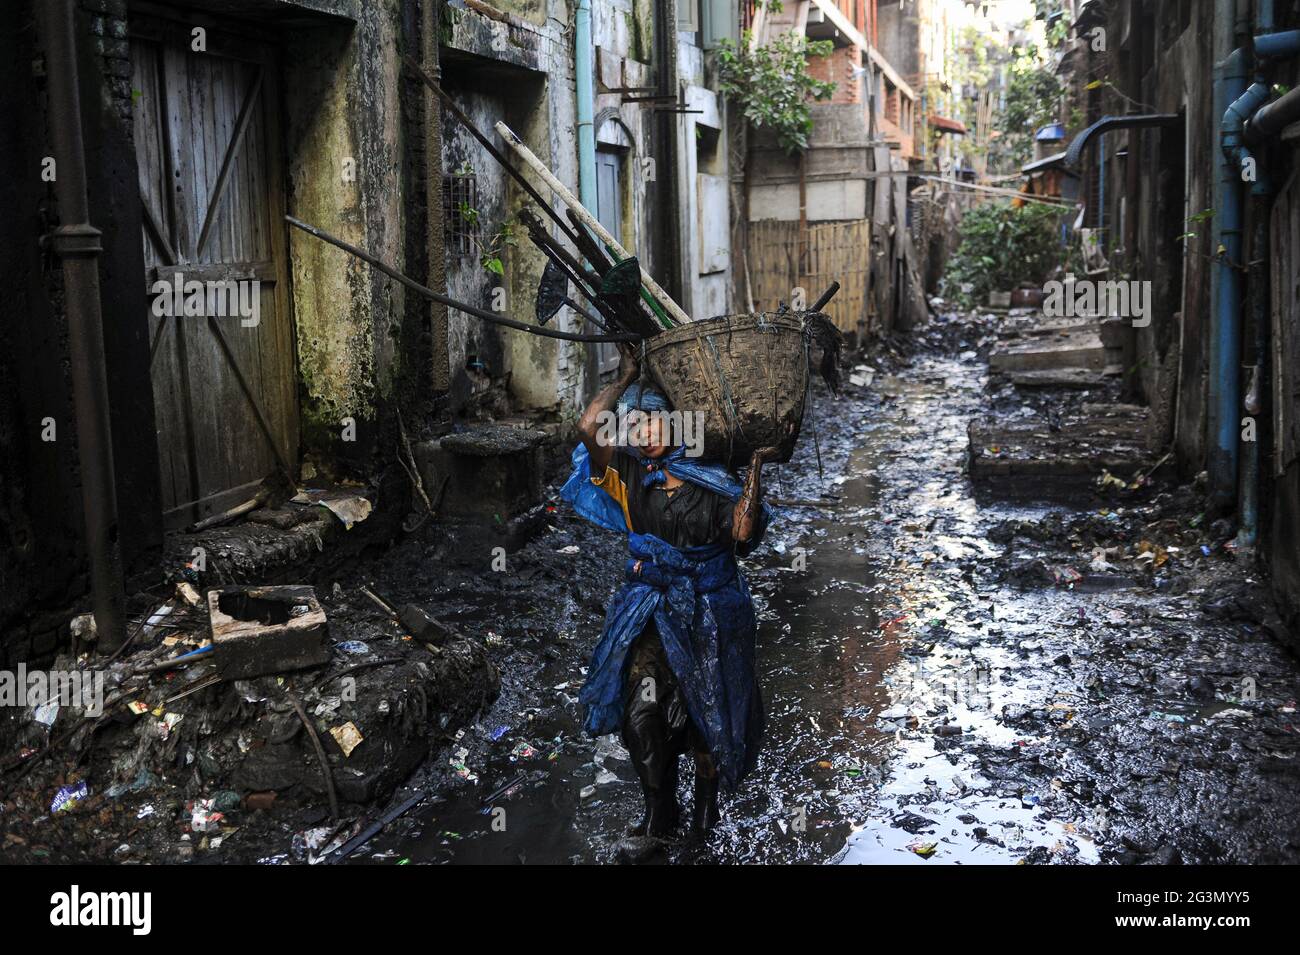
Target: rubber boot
[646, 739]
[704, 812]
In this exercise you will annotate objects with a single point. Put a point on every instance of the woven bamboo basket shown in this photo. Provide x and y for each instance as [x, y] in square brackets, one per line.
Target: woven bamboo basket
[748, 374]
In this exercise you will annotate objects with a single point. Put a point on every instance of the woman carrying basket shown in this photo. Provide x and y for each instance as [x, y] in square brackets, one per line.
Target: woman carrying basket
[675, 665]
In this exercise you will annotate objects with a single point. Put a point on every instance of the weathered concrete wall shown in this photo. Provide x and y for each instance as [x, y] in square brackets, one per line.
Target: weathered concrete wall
[1155, 216]
[899, 36]
[707, 247]
[514, 61]
[1146, 213]
[516, 67]
[837, 164]
[343, 154]
[1282, 471]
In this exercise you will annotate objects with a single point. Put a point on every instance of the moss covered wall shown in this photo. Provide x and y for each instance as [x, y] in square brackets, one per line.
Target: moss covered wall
[342, 88]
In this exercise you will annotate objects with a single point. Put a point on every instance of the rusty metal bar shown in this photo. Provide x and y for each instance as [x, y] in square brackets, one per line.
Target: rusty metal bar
[77, 244]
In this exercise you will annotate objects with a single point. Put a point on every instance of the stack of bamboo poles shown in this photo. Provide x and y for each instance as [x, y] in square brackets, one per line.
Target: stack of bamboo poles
[623, 300]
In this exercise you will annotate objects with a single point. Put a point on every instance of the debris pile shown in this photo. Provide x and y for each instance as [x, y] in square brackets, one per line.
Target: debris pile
[229, 724]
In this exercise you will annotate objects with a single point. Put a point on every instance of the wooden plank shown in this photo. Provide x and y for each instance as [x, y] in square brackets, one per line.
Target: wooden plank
[177, 182]
[274, 245]
[213, 272]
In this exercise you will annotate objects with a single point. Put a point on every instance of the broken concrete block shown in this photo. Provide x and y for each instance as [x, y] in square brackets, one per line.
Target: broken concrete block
[260, 630]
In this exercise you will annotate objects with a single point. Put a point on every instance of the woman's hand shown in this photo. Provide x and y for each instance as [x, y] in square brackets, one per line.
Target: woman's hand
[772, 452]
[744, 517]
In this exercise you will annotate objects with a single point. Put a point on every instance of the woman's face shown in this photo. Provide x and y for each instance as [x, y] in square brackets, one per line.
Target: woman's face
[648, 433]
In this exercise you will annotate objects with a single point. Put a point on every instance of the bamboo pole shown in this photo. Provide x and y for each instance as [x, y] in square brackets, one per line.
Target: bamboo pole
[429, 293]
[589, 220]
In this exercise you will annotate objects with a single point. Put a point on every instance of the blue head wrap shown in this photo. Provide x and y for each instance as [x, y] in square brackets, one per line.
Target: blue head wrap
[641, 398]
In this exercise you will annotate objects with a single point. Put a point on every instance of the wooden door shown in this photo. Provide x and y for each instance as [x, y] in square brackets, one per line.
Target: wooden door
[225, 385]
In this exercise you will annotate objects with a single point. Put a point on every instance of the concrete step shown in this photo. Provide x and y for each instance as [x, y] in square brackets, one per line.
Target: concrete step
[1103, 437]
[1079, 378]
[1071, 350]
[1111, 330]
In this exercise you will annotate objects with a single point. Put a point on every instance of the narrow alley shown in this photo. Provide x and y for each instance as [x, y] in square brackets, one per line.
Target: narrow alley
[934, 691]
[802, 433]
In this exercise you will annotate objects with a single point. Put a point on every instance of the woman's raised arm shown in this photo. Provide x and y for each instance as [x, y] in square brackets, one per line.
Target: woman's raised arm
[589, 425]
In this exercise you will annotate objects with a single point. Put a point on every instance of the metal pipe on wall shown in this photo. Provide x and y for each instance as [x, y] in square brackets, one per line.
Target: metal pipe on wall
[1225, 337]
[584, 74]
[1248, 169]
[76, 242]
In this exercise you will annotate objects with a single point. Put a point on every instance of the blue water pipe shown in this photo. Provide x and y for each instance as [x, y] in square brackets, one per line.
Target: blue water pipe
[1228, 403]
[582, 65]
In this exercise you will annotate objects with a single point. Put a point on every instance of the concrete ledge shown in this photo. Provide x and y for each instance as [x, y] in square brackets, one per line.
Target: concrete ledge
[489, 475]
[1074, 350]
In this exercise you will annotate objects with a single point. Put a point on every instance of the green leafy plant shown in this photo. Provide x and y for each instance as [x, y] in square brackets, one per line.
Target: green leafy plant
[1033, 100]
[492, 251]
[772, 84]
[1001, 247]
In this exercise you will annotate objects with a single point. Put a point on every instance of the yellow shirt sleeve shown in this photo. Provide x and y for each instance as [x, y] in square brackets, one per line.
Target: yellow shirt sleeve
[613, 485]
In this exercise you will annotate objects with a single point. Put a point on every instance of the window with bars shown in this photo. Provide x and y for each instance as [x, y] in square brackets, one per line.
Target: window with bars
[459, 213]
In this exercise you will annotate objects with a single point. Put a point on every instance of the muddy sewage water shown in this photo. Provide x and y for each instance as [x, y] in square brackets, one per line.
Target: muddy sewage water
[929, 701]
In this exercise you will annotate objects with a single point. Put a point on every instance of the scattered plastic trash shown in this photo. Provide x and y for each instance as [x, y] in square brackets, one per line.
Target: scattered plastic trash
[457, 763]
[144, 779]
[204, 818]
[353, 646]
[69, 796]
[609, 747]
[227, 800]
[570, 549]
[923, 849]
[862, 376]
[156, 619]
[46, 713]
[167, 724]
[83, 628]
[605, 778]
[1065, 576]
[188, 593]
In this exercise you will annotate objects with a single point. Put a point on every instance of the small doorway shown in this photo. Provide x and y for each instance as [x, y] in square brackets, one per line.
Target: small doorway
[207, 147]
